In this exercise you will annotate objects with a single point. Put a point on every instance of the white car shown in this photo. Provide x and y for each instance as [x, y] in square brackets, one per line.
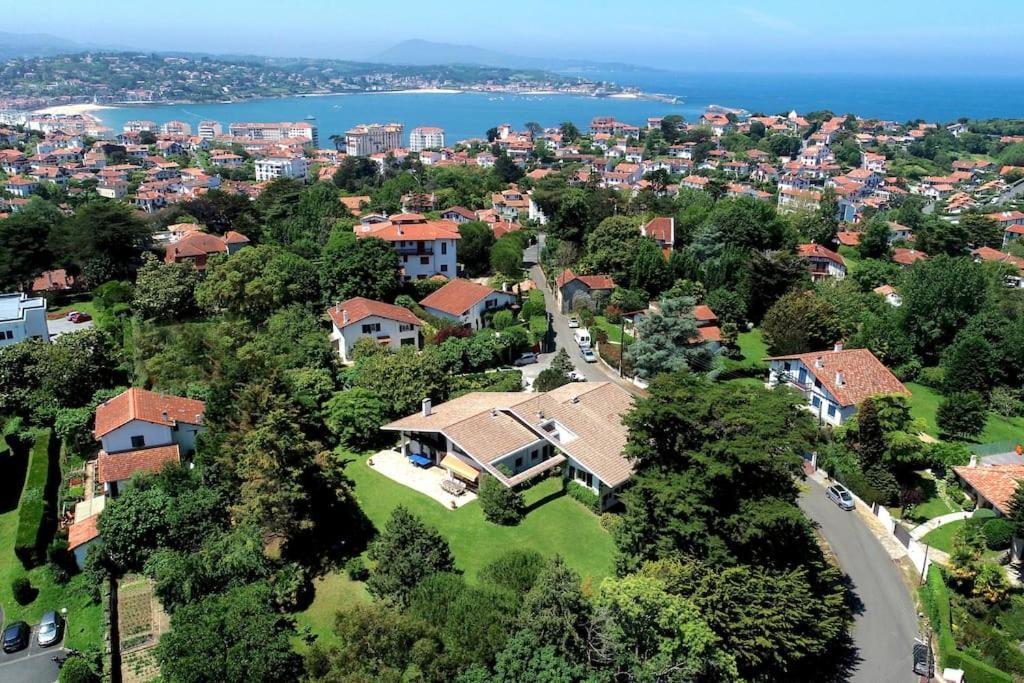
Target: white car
[574, 323]
[576, 376]
[588, 354]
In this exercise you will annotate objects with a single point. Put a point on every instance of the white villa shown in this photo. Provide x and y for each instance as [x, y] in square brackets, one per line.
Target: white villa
[387, 324]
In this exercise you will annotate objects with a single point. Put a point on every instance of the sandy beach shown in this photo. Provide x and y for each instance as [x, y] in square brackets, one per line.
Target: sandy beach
[417, 91]
[71, 109]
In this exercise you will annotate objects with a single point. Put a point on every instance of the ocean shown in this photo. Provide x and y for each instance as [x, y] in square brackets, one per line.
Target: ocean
[469, 115]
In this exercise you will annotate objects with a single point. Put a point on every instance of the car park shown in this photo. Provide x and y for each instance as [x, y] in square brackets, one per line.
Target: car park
[50, 629]
[841, 496]
[16, 636]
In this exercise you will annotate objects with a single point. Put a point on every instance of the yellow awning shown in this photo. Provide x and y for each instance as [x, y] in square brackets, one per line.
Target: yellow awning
[459, 468]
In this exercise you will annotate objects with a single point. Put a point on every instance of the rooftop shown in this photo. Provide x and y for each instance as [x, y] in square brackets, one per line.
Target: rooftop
[863, 374]
[148, 406]
[13, 306]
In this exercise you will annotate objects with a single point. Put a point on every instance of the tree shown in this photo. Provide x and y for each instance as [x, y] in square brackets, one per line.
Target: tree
[500, 504]
[969, 363]
[523, 660]
[402, 379]
[569, 131]
[612, 248]
[874, 239]
[25, 243]
[506, 169]
[165, 291]
[355, 173]
[257, 281]
[353, 266]
[507, 257]
[221, 211]
[475, 247]
[771, 274]
[982, 230]
[555, 610]
[549, 379]
[133, 525]
[405, 553]
[1016, 512]
[101, 240]
[940, 295]
[962, 414]
[649, 271]
[355, 416]
[800, 322]
[666, 339]
[77, 670]
[561, 362]
[230, 637]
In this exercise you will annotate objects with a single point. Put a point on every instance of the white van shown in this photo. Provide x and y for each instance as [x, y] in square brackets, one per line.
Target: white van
[582, 336]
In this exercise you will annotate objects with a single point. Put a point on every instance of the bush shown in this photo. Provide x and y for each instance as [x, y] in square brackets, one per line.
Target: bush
[516, 570]
[1006, 401]
[500, 504]
[962, 414]
[909, 371]
[34, 508]
[22, 590]
[932, 377]
[549, 379]
[584, 495]
[77, 670]
[998, 533]
[356, 569]
[502, 380]
[983, 514]
[533, 305]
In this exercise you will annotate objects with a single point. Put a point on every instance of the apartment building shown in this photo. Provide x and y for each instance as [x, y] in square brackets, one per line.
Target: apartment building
[208, 130]
[276, 131]
[374, 138]
[272, 168]
[425, 138]
[22, 317]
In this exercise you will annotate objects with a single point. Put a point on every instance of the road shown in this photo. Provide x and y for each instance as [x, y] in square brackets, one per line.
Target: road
[34, 664]
[1009, 193]
[885, 621]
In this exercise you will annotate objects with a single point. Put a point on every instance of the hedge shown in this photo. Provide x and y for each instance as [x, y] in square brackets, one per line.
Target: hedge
[35, 508]
[586, 496]
[935, 596]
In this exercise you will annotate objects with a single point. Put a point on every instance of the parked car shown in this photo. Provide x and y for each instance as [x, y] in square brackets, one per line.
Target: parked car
[16, 636]
[574, 322]
[576, 376]
[528, 358]
[50, 629]
[78, 317]
[841, 496]
[588, 354]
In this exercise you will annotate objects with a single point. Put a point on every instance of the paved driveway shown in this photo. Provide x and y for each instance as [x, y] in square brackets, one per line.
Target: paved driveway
[34, 664]
[63, 326]
[885, 622]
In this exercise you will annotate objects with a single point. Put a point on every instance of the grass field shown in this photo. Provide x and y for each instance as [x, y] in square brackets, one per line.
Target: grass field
[81, 306]
[556, 525]
[925, 404]
[942, 537]
[613, 331]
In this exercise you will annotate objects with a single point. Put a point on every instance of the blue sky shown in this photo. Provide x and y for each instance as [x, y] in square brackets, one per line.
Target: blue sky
[869, 36]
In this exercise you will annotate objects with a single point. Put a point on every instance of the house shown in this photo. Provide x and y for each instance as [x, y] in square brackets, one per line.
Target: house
[569, 285]
[355, 204]
[823, 263]
[511, 203]
[458, 214]
[992, 486]
[22, 317]
[709, 333]
[889, 293]
[116, 470]
[466, 302]
[1011, 233]
[426, 247]
[834, 382]
[56, 280]
[81, 536]
[663, 231]
[387, 324]
[137, 419]
[196, 247]
[20, 186]
[514, 437]
[905, 258]
[1014, 279]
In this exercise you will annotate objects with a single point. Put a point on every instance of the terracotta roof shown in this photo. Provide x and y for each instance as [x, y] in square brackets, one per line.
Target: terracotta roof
[360, 307]
[232, 237]
[148, 406]
[818, 251]
[461, 211]
[710, 334]
[457, 297]
[591, 281]
[884, 290]
[704, 314]
[863, 374]
[996, 483]
[355, 204]
[120, 466]
[82, 532]
[990, 254]
[489, 425]
[848, 238]
[660, 229]
[425, 231]
[906, 257]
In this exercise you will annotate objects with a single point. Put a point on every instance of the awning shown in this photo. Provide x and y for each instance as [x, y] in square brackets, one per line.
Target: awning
[459, 468]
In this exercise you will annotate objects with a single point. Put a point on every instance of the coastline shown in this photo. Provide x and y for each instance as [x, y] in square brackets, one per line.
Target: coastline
[71, 109]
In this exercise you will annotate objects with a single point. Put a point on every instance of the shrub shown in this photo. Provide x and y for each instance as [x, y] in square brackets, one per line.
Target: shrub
[983, 513]
[586, 496]
[22, 590]
[932, 377]
[881, 485]
[34, 508]
[549, 379]
[500, 504]
[533, 305]
[611, 522]
[502, 320]
[998, 533]
[962, 414]
[356, 569]
[77, 670]
[1006, 401]
[516, 570]
[909, 371]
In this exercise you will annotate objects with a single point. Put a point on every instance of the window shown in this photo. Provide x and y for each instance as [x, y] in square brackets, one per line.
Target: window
[831, 409]
[786, 366]
[138, 441]
[424, 260]
[815, 401]
[8, 334]
[408, 341]
[444, 267]
[519, 462]
[490, 303]
[405, 327]
[817, 383]
[405, 258]
[370, 328]
[533, 455]
[444, 247]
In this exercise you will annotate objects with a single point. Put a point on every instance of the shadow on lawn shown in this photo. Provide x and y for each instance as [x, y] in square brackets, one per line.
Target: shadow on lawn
[541, 502]
[14, 465]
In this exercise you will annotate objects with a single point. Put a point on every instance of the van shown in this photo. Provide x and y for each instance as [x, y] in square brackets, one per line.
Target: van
[582, 336]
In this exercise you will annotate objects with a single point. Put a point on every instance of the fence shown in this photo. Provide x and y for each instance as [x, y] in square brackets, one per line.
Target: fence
[994, 448]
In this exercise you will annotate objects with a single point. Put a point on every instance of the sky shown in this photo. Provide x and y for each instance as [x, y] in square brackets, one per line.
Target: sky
[866, 36]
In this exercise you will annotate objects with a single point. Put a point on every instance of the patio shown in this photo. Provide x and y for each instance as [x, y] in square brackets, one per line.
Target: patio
[426, 480]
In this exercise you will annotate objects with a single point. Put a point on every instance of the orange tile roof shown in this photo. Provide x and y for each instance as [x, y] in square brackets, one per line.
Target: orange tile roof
[818, 251]
[148, 406]
[704, 314]
[591, 281]
[120, 466]
[848, 238]
[425, 231]
[660, 229]
[361, 307]
[863, 374]
[457, 297]
[82, 532]
[996, 483]
[906, 257]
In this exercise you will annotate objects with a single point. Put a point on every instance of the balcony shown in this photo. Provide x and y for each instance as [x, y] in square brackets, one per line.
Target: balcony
[415, 251]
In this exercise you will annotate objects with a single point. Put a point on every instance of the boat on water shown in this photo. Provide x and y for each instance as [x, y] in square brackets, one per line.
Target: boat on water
[310, 117]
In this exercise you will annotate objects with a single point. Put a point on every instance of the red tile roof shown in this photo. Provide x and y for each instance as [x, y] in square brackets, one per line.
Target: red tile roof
[704, 314]
[82, 532]
[360, 307]
[907, 257]
[863, 374]
[423, 231]
[660, 229]
[996, 483]
[591, 281]
[818, 251]
[120, 466]
[848, 238]
[457, 297]
[148, 406]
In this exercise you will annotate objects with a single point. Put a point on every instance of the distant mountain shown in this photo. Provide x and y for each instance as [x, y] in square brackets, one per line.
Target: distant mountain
[35, 45]
[425, 52]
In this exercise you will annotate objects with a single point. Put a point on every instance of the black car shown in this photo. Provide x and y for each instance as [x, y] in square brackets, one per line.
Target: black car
[16, 636]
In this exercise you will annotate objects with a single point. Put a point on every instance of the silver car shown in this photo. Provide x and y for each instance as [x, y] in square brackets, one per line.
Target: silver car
[841, 496]
[588, 354]
[50, 629]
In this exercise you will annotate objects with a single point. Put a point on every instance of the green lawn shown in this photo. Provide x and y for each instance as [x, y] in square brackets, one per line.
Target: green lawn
[754, 352]
[80, 306]
[942, 537]
[934, 503]
[559, 525]
[614, 331]
[925, 404]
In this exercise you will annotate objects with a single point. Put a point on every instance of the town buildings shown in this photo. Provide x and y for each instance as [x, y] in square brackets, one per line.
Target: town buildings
[366, 139]
[425, 138]
[425, 247]
[467, 303]
[280, 167]
[386, 324]
[301, 130]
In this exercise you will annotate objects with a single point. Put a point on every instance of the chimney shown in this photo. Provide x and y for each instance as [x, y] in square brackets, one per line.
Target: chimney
[838, 346]
[818, 362]
[494, 412]
[540, 414]
[344, 317]
[165, 416]
[840, 379]
[974, 461]
[426, 407]
[337, 307]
